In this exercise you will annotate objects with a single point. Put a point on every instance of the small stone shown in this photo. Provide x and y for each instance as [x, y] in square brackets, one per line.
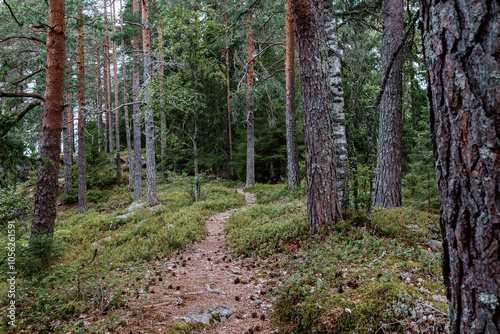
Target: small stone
[237, 280]
[237, 298]
[254, 315]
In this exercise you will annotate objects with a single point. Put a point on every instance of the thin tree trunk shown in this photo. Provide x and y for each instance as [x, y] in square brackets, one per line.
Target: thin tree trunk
[149, 124]
[117, 98]
[387, 186]
[68, 153]
[163, 130]
[291, 114]
[71, 126]
[228, 84]
[338, 112]
[125, 109]
[50, 146]
[250, 179]
[136, 110]
[100, 126]
[82, 172]
[108, 83]
[322, 202]
[460, 42]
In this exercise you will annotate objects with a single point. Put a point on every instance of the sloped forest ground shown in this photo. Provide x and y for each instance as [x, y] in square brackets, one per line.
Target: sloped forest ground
[239, 267]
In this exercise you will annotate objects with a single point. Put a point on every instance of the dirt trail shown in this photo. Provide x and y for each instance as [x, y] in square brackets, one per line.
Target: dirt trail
[203, 275]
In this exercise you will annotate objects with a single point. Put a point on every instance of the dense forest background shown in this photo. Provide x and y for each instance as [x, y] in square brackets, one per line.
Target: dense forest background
[178, 95]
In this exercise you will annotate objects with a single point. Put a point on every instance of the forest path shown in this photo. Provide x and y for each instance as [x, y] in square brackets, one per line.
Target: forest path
[202, 276]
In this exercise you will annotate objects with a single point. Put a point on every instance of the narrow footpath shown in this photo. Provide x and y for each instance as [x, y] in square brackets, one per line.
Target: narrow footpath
[206, 283]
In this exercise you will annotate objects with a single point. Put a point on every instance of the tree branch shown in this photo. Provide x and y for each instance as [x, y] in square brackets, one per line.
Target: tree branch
[20, 116]
[12, 13]
[27, 77]
[20, 95]
[23, 37]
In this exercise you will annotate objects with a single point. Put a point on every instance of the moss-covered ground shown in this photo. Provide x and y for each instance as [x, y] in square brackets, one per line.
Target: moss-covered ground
[52, 293]
[375, 272]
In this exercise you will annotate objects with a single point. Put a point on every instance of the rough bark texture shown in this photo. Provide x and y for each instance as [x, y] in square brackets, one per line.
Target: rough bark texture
[117, 98]
[109, 118]
[149, 125]
[322, 202]
[82, 172]
[291, 116]
[67, 151]
[461, 43]
[337, 102]
[125, 115]
[50, 145]
[136, 111]
[387, 185]
[250, 177]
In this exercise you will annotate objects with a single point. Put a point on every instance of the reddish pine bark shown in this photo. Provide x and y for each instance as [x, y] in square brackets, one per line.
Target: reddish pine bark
[250, 178]
[388, 193]
[322, 203]
[291, 117]
[136, 110]
[50, 145]
[82, 172]
[461, 46]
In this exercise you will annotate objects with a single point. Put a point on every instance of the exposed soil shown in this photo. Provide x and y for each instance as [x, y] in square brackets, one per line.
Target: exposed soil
[203, 275]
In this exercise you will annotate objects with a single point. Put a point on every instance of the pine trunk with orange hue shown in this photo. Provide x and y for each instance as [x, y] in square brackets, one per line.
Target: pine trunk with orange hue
[293, 168]
[50, 145]
[323, 207]
[82, 172]
[250, 177]
[127, 121]
[136, 110]
[117, 98]
[149, 125]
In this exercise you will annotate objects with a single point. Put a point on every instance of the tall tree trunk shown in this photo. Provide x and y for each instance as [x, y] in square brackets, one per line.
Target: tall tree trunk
[163, 129]
[250, 179]
[50, 146]
[149, 124]
[322, 202]
[136, 110]
[117, 98]
[388, 173]
[108, 83]
[71, 126]
[228, 84]
[82, 172]
[125, 110]
[68, 153]
[100, 126]
[461, 46]
[291, 116]
[337, 101]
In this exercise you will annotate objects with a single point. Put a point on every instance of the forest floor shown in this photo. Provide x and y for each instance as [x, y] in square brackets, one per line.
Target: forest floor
[204, 276]
[237, 261]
